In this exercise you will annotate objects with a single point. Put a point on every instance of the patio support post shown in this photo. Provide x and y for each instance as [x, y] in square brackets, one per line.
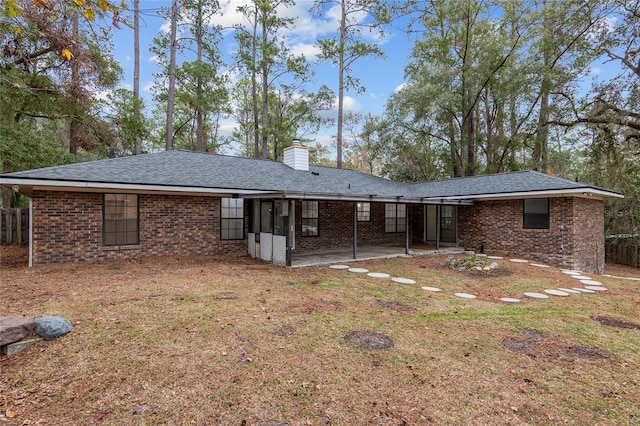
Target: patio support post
[438, 226]
[355, 230]
[406, 229]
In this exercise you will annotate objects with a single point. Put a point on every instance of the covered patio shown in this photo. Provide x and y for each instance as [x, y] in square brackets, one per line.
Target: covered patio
[345, 255]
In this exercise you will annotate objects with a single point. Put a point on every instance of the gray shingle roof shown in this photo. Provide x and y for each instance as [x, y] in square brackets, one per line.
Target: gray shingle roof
[202, 170]
[523, 181]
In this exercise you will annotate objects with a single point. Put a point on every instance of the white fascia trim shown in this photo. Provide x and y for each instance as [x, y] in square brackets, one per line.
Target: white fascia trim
[42, 183]
[580, 192]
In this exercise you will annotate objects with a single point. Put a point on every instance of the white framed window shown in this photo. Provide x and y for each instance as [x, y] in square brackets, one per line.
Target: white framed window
[232, 219]
[310, 218]
[395, 217]
[364, 212]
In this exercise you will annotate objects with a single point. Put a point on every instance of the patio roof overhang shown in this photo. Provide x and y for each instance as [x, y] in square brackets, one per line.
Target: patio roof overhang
[355, 198]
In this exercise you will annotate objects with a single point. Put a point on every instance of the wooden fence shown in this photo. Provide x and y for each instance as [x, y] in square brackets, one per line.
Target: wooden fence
[14, 226]
[623, 254]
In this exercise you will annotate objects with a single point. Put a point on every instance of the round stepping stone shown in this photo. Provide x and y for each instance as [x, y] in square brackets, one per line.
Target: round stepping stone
[569, 290]
[570, 272]
[436, 289]
[378, 275]
[358, 270]
[518, 260]
[583, 290]
[402, 280]
[580, 277]
[596, 288]
[466, 295]
[556, 292]
[540, 265]
[510, 300]
[339, 266]
[495, 257]
[590, 282]
[536, 295]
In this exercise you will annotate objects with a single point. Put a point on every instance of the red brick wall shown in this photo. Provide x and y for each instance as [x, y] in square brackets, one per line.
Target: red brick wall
[336, 227]
[68, 227]
[575, 238]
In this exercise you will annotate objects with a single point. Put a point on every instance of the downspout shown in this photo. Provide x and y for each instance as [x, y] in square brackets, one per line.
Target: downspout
[355, 230]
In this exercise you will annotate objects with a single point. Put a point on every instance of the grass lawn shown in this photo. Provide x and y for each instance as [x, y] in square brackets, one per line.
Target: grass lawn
[237, 342]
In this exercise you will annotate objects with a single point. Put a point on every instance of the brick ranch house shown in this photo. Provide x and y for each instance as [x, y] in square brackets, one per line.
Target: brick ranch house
[185, 203]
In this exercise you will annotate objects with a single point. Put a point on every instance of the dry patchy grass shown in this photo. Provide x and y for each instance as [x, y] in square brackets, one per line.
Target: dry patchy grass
[236, 342]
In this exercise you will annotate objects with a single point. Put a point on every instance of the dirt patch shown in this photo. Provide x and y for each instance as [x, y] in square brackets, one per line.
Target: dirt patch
[395, 305]
[612, 322]
[537, 345]
[367, 339]
[587, 352]
[526, 346]
[315, 305]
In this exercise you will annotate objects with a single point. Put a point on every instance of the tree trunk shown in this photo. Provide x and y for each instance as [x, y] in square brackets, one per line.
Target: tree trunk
[199, 115]
[265, 94]
[171, 92]
[343, 34]
[136, 73]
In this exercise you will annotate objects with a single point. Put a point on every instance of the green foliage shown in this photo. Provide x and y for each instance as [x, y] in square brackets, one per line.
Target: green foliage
[24, 147]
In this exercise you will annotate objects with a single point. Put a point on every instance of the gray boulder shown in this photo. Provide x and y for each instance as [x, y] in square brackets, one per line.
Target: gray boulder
[50, 327]
[14, 329]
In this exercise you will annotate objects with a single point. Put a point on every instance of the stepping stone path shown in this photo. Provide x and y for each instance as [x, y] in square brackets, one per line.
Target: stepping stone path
[536, 295]
[569, 290]
[402, 280]
[378, 275]
[596, 288]
[591, 286]
[556, 292]
[540, 265]
[466, 295]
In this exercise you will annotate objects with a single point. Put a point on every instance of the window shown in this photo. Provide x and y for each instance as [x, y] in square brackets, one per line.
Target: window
[446, 218]
[536, 213]
[364, 212]
[395, 219]
[120, 220]
[309, 218]
[232, 219]
[266, 217]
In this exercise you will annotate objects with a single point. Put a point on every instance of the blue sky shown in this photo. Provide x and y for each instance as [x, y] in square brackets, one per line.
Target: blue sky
[381, 77]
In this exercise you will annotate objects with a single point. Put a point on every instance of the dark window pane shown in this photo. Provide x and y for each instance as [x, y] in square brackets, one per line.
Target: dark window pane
[536, 213]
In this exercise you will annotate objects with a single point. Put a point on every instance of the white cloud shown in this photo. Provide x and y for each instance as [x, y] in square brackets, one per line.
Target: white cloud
[400, 87]
[154, 59]
[349, 104]
[310, 51]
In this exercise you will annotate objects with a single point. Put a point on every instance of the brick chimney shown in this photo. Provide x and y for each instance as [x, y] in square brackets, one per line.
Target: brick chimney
[297, 156]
